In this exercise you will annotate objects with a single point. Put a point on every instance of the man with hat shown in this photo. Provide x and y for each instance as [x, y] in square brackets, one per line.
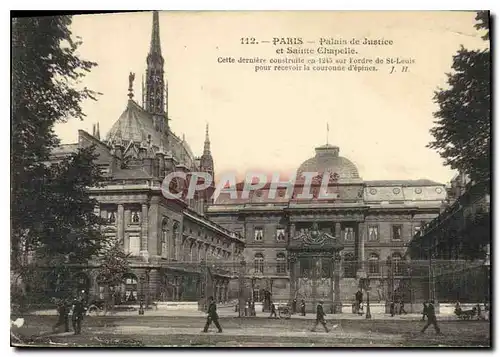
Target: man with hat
[320, 317]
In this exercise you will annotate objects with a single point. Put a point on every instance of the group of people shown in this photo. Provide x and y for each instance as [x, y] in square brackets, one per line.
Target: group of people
[76, 308]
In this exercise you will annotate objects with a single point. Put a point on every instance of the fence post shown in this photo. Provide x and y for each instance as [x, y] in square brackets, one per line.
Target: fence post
[241, 282]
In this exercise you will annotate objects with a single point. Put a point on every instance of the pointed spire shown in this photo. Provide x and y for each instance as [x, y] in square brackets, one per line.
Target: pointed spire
[155, 46]
[206, 148]
[155, 85]
[166, 96]
[93, 130]
[98, 133]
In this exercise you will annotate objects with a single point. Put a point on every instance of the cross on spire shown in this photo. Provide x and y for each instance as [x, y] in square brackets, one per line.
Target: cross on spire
[327, 133]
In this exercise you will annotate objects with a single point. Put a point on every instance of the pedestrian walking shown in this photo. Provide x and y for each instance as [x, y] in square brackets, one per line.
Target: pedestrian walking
[63, 312]
[320, 317]
[303, 308]
[424, 310]
[273, 310]
[359, 300]
[392, 308]
[402, 307]
[431, 318]
[212, 316]
[294, 306]
[77, 317]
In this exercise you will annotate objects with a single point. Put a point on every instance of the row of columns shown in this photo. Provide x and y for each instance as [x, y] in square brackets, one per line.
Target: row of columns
[221, 293]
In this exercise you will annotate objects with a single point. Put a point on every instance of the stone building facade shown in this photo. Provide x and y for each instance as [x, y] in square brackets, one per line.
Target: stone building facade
[374, 220]
[166, 238]
[457, 244]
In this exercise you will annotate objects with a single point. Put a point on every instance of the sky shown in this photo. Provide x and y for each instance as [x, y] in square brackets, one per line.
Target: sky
[272, 121]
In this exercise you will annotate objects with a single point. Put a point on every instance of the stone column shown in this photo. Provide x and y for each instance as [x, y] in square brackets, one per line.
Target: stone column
[241, 288]
[292, 231]
[332, 282]
[292, 262]
[154, 235]
[144, 232]
[226, 291]
[361, 249]
[120, 216]
[314, 262]
[338, 233]
[337, 303]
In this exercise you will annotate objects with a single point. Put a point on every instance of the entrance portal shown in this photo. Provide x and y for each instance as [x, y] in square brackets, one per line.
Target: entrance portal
[315, 270]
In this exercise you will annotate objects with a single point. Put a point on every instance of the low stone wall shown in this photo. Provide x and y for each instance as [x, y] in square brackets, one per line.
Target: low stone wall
[178, 305]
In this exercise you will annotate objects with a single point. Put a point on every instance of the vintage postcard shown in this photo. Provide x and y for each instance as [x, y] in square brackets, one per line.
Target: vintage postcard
[242, 179]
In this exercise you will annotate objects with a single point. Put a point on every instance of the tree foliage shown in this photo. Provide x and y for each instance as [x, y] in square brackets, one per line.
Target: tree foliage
[51, 211]
[113, 265]
[462, 132]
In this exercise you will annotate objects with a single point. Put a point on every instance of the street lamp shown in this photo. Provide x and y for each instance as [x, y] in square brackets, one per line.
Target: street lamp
[367, 287]
[141, 302]
[411, 290]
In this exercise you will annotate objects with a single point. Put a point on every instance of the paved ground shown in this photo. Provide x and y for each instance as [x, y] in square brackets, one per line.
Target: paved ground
[228, 311]
[253, 331]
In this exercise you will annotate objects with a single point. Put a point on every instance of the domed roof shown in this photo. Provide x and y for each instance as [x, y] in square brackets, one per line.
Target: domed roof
[136, 125]
[327, 159]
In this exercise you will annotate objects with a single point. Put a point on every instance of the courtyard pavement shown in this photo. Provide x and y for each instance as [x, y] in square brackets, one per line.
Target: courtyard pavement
[229, 311]
[168, 331]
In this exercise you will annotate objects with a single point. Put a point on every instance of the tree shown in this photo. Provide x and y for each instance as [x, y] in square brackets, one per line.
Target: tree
[462, 132]
[52, 216]
[113, 265]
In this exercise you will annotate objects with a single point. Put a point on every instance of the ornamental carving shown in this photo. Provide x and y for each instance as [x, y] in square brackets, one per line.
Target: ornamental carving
[316, 239]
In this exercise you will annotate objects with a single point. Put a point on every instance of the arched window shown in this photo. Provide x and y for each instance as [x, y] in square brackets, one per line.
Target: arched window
[397, 263]
[258, 261]
[373, 264]
[281, 263]
[349, 266]
[164, 239]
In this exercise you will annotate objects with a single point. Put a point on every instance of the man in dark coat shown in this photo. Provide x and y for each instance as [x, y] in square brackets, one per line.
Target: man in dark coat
[63, 311]
[212, 315]
[294, 306]
[431, 318]
[320, 317]
[359, 299]
[424, 311]
[303, 308]
[78, 313]
[273, 310]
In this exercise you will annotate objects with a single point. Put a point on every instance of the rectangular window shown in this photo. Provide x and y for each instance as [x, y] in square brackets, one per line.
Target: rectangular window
[348, 233]
[134, 245]
[396, 232]
[372, 233]
[416, 230]
[280, 234]
[135, 217]
[258, 234]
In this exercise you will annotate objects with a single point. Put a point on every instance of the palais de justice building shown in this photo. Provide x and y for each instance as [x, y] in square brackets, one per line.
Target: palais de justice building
[167, 238]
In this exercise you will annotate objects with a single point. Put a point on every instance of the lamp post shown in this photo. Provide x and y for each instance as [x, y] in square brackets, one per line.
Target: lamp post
[411, 290]
[390, 283]
[141, 301]
[367, 289]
